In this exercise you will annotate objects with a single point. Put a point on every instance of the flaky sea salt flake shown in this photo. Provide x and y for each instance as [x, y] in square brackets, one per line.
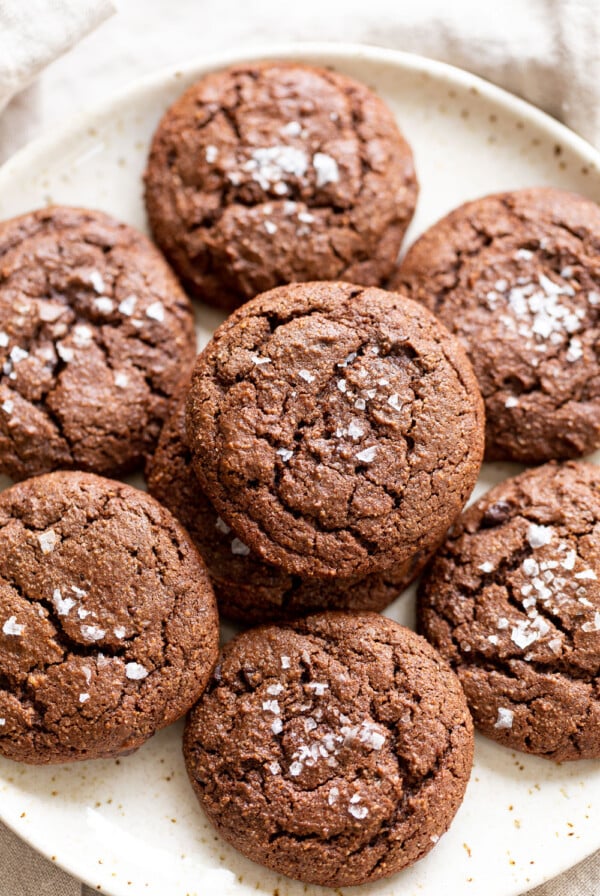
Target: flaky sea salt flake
[92, 632]
[63, 605]
[367, 456]
[82, 336]
[12, 627]
[97, 282]
[259, 361]
[18, 354]
[135, 671]
[569, 561]
[358, 812]
[575, 350]
[65, 353]
[530, 567]
[505, 718]
[127, 306]
[538, 536]
[354, 430]
[594, 625]
[156, 311]
[326, 169]
[522, 637]
[104, 304]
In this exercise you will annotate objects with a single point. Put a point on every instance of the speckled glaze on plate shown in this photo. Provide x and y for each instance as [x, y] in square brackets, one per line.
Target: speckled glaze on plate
[133, 826]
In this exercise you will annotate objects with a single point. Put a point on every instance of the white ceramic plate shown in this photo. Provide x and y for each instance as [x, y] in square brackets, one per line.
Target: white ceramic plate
[132, 826]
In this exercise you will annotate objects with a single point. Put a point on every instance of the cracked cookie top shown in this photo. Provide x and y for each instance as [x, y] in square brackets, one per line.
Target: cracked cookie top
[337, 429]
[95, 335]
[247, 589]
[336, 751]
[513, 602]
[516, 277]
[268, 173]
[108, 626]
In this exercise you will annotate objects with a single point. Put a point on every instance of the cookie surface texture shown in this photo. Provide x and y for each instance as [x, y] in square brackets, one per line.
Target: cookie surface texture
[516, 277]
[248, 590]
[337, 429]
[269, 173]
[108, 624]
[513, 602]
[95, 336]
[336, 751]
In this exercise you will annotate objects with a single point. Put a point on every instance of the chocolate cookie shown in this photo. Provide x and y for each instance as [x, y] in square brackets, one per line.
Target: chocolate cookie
[95, 335]
[108, 625]
[517, 278]
[336, 751]
[513, 602]
[337, 429]
[272, 172]
[247, 590]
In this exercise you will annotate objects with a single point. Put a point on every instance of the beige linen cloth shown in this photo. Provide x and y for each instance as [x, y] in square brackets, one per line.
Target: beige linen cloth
[547, 51]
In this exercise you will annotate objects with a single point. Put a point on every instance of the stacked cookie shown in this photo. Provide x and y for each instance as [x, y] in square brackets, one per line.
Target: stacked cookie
[334, 432]
[310, 462]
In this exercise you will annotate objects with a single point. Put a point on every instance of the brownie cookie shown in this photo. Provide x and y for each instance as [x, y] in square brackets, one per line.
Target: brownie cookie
[268, 173]
[517, 278]
[95, 335]
[247, 590]
[337, 429]
[108, 625]
[513, 602]
[336, 751]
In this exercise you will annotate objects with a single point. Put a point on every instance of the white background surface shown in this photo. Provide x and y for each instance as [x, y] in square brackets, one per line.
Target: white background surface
[134, 826]
[544, 50]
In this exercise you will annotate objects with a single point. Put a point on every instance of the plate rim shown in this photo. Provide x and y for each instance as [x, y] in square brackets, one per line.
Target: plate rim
[312, 52]
[299, 50]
